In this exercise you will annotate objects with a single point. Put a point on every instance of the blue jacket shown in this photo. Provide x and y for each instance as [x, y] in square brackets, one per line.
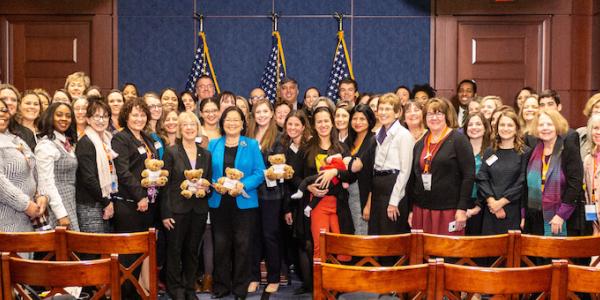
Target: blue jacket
[248, 160]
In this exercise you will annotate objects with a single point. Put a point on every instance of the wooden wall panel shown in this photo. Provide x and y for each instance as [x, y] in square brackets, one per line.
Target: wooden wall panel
[45, 40]
[569, 60]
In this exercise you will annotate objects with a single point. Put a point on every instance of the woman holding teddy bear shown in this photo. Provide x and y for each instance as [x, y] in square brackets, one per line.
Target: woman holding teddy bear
[184, 208]
[234, 203]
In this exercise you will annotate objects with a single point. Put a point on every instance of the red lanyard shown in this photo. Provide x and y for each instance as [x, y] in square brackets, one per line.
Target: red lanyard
[431, 151]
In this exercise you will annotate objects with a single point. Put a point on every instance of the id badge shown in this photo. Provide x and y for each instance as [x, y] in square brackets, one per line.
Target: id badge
[491, 160]
[591, 213]
[426, 181]
[157, 145]
[198, 140]
[141, 149]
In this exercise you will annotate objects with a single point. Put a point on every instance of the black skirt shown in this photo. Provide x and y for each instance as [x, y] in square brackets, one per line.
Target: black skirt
[379, 223]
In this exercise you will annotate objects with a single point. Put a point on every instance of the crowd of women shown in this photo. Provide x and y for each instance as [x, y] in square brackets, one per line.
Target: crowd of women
[470, 165]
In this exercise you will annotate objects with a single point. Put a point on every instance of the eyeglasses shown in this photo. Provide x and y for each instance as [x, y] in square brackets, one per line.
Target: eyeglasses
[436, 115]
[257, 98]
[155, 106]
[8, 99]
[233, 120]
[100, 118]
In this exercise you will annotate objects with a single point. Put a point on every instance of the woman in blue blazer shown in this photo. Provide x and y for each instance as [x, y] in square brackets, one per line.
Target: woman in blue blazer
[234, 218]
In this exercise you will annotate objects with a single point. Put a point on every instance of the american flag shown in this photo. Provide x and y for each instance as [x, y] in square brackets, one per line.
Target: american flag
[202, 65]
[341, 68]
[274, 70]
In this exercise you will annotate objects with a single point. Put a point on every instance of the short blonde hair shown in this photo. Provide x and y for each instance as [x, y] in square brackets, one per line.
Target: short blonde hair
[391, 99]
[589, 142]
[76, 77]
[589, 105]
[560, 123]
[497, 100]
[187, 116]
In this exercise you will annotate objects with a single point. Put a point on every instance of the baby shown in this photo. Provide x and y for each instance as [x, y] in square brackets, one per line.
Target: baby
[335, 161]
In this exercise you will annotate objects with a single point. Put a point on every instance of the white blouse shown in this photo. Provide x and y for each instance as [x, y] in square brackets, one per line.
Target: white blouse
[396, 153]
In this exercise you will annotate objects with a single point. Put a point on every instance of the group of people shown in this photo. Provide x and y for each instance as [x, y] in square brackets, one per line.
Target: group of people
[366, 163]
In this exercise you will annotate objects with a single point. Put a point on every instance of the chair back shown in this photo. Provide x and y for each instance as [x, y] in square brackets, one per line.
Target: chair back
[60, 274]
[142, 243]
[583, 280]
[331, 279]
[506, 282]
[528, 246]
[466, 248]
[45, 241]
[368, 247]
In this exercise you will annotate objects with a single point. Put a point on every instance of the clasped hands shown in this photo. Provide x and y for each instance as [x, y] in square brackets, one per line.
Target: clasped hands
[496, 207]
[37, 207]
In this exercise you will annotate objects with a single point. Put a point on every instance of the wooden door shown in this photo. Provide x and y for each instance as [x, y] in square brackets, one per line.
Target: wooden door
[503, 54]
[41, 42]
[46, 50]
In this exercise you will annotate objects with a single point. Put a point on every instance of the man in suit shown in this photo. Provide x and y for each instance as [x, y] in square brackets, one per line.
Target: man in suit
[348, 91]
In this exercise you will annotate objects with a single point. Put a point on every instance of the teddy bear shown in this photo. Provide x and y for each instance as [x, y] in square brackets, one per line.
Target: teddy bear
[193, 183]
[278, 170]
[229, 181]
[154, 175]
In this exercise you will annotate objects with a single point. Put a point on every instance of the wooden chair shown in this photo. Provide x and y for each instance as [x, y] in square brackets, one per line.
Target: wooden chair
[59, 274]
[465, 248]
[527, 246]
[143, 243]
[45, 241]
[366, 246]
[503, 282]
[583, 280]
[332, 278]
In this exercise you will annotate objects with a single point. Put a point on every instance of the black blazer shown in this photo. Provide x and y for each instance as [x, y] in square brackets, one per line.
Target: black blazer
[452, 173]
[130, 163]
[366, 153]
[176, 162]
[88, 185]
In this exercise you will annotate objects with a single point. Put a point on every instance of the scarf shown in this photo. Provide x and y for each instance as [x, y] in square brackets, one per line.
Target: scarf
[106, 174]
[548, 200]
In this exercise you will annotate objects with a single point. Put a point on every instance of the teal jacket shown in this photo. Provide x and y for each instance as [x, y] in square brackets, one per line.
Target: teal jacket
[248, 160]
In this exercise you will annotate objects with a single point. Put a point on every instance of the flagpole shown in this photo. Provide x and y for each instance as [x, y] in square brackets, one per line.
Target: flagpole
[275, 23]
[340, 17]
[202, 35]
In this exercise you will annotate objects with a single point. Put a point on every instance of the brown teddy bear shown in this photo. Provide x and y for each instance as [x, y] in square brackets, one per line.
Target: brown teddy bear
[279, 170]
[154, 175]
[193, 184]
[230, 181]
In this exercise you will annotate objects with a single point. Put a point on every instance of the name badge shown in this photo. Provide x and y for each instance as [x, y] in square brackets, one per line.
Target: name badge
[426, 181]
[229, 183]
[142, 150]
[198, 140]
[491, 160]
[157, 145]
[591, 213]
